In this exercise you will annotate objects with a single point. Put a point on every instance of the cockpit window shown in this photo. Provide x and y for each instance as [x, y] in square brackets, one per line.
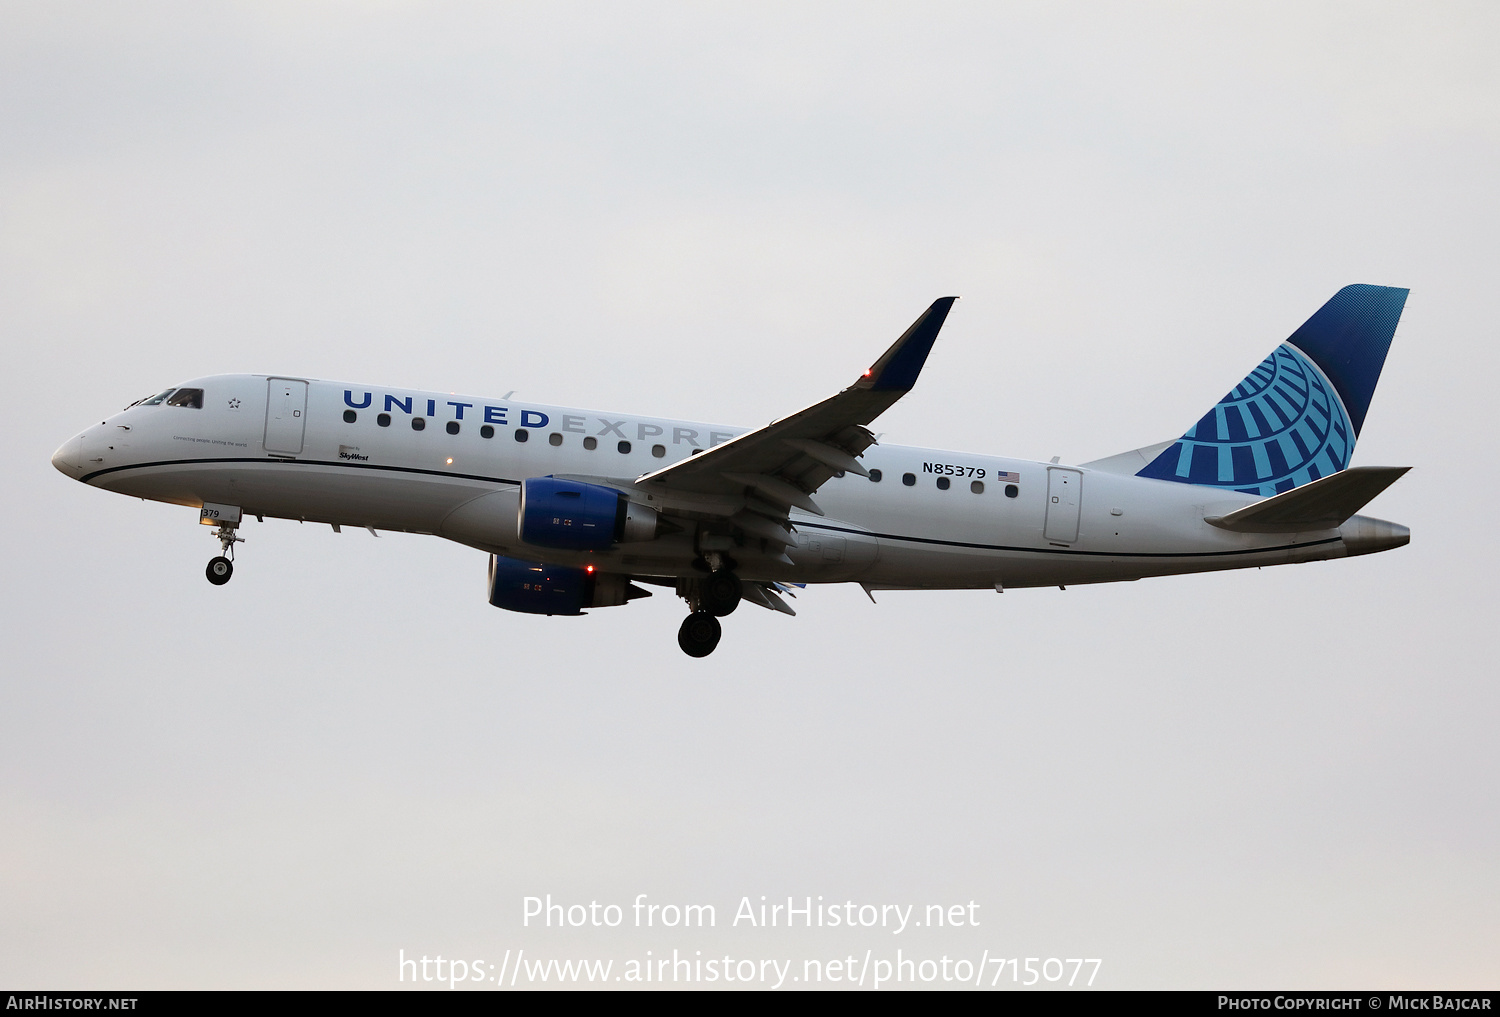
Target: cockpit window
[156, 400]
[192, 397]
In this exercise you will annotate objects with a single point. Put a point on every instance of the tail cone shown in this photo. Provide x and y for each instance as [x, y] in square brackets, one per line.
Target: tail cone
[1366, 535]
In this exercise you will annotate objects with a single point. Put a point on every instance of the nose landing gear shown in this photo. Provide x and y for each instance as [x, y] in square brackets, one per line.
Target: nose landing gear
[221, 568]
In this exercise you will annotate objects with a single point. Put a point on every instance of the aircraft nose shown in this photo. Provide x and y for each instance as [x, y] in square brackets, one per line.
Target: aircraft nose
[69, 457]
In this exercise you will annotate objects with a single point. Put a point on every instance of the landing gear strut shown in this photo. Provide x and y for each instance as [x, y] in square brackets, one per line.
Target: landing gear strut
[221, 568]
[699, 634]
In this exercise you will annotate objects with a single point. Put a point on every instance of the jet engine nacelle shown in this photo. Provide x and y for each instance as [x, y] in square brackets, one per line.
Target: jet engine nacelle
[534, 587]
[581, 517]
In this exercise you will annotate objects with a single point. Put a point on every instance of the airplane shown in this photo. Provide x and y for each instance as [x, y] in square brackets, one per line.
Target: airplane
[579, 509]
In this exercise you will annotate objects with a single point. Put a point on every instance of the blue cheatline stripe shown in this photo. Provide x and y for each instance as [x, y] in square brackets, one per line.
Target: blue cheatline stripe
[272, 461]
[1068, 551]
[800, 525]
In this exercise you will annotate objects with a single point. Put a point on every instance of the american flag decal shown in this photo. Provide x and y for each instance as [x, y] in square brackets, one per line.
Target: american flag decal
[1007, 478]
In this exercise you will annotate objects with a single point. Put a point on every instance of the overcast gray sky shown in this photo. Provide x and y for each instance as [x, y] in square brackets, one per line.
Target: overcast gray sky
[1278, 778]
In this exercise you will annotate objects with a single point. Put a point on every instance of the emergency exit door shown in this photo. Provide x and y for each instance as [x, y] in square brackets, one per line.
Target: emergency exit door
[1063, 501]
[286, 415]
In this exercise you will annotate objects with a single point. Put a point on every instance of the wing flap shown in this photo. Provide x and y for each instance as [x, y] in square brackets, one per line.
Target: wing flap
[1322, 505]
[776, 489]
[829, 455]
[767, 529]
[767, 598]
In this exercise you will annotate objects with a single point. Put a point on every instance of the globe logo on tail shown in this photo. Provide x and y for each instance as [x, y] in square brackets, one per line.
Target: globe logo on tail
[1283, 426]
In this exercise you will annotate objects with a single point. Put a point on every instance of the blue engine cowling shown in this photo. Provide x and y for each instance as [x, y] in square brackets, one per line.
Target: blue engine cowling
[534, 587]
[538, 588]
[580, 517]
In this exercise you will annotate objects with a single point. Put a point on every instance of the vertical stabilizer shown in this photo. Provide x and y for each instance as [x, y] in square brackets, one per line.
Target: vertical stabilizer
[1295, 418]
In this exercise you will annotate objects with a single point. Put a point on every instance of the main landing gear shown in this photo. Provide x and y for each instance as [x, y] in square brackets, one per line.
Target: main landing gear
[720, 593]
[221, 568]
[699, 634]
[710, 599]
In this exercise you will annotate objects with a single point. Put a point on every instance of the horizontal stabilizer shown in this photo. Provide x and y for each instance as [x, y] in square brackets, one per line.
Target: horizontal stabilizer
[1321, 505]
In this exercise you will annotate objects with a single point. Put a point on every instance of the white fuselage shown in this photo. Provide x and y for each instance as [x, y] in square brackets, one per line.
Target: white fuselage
[1060, 525]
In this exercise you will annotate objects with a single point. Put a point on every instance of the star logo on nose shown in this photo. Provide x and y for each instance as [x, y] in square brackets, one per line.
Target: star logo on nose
[234, 404]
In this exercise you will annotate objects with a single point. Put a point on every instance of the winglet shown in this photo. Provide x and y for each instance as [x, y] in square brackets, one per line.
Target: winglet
[898, 367]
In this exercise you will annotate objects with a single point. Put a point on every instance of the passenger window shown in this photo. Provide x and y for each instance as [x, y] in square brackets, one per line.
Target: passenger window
[1011, 490]
[189, 397]
[624, 448]
[977, 487]
[554, 438]
[909, 479]
[591, 443]
[157, 400]
[418, 423]
[350, 416]
[521, 434]
[383, 419]
[658, 450]
[875, 476]
[486, 431]
[453, 427]
[943, 483]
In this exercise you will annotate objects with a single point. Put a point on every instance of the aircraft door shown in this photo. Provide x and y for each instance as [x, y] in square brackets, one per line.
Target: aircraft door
[1064, 489]
[286, 415]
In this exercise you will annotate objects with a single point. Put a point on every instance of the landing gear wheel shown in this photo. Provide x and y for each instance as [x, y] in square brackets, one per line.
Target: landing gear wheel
[699, 634]
[721, 593]
[219, 570]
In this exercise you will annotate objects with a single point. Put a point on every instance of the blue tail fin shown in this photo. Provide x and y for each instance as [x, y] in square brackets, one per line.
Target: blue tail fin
[1297, 415]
